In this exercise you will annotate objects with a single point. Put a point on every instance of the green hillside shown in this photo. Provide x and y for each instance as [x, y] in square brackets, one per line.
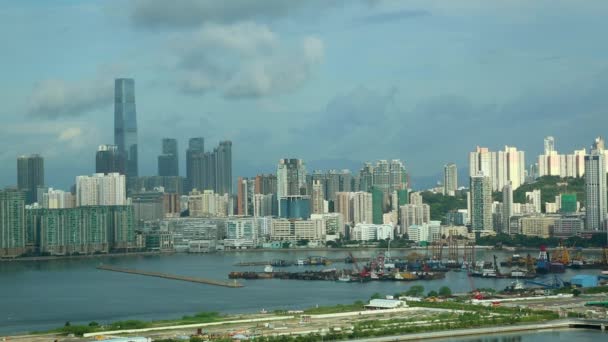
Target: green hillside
[550, 186]
[441, 205]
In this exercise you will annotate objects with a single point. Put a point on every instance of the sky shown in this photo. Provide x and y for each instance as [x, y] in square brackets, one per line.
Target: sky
[334, 82]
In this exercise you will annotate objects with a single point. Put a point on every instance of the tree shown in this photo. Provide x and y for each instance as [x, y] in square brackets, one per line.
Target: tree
[415, 291]
[303, 242]
[93, 324]
[67, 324]
[445, 291]
[432, 293]
[377, 296]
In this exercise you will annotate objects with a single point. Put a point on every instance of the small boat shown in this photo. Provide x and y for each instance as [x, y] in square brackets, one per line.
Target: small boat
[300, 262]
[345, 278]
[268, 269]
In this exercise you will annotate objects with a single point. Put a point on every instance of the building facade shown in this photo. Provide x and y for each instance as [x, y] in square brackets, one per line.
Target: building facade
[125, 124]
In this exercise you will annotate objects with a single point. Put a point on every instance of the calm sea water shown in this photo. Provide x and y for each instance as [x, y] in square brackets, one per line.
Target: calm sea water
[36, 296]
[545, 336]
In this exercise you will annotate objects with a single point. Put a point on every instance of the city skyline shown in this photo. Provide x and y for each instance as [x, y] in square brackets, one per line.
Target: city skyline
[472, 90]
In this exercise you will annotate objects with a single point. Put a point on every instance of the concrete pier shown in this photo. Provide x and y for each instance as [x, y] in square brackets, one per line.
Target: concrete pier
[171, 276]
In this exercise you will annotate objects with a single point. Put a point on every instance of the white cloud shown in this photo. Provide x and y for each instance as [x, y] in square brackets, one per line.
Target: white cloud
[243, 60]
[57, 98]
[70, 133]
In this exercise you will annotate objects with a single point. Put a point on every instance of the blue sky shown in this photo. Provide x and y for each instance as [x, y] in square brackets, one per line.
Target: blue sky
[335, 82]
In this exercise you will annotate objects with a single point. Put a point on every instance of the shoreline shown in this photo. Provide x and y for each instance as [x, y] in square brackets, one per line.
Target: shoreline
[88, 256]
[261, 250]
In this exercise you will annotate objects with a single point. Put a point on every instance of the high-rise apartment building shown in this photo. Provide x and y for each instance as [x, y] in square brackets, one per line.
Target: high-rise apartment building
[366, 177]
[502, 166]
[450, 179]
[318, 198]
[266, 184]
[30, 176]
[551, 163]
[100, 189]
[507, 208]
[108, 159]
[595, 190]
[264, 205]
[57, 199]
[291, 177]
[125, 123]
[168, 163]
[413, 214]
[377, 205]
[12, 223]
[534, 197]
[481, 202]
[245, 193]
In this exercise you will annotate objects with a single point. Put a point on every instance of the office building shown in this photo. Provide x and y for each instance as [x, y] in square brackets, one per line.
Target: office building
[223, 164]
[294, 207]
[148, 206]
[540, 226]
[30, 176]
[125, 123]
[12, 223]
[481, 202]
[100, 189]
[208, 204]
[108, 159]
[194, 163]
[168, 162]
[450, 179]
[595, 191]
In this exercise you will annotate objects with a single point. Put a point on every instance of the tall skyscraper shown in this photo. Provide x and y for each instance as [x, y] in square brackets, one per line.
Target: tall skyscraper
[245, 198]
[125, 123]
[12, 223]
[480, 162]
[223, 166]
[507, 208]
[318, 198]
[30, 176]
[450, 179]
[377, 205]
[194, 163]
[481, 202]
[168, 163]
[534, 197]
[366, 177]
[108, 159]
[549, 145]
[595, 190]
[291, 177]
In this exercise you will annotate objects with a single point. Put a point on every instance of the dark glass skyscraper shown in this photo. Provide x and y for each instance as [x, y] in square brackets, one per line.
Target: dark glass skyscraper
[125, 123]
[168, 163]
[108, 159]
[194, 163]
[223, 167]
[30, 176]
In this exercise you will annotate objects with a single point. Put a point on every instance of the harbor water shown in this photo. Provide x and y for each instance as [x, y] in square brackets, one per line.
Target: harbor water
[36, 296]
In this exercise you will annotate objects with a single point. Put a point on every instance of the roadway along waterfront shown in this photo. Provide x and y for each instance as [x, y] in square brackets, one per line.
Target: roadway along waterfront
[44, 295]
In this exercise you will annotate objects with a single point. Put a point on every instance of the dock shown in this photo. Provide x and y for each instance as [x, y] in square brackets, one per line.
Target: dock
[232, 284]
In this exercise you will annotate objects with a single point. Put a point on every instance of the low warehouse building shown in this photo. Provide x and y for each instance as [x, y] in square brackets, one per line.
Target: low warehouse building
[584, 280]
